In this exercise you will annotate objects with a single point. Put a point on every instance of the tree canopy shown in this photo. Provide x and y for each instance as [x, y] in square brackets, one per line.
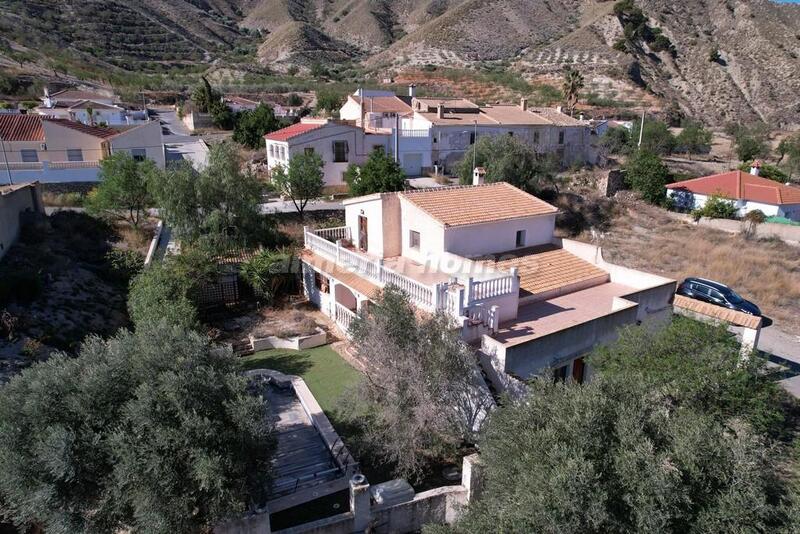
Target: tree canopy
[656, 137]
[420, 399]
[750, 140]
[124, 189]
[694, 139]
[645, 173]
[150, 431]
[508, 159]
[571, 88]
[220, 203]
[381, 173]
[302, 181]
[251, 126]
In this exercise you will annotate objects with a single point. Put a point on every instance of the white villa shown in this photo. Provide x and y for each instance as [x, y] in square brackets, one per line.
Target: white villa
[487, 256]
[93, 109]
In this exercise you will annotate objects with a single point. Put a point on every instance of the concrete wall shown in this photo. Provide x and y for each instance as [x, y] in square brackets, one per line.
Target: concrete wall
[59, 139]
[371, 208]
[47, 173]
[147, 136]
[319, 299]
[482, 239]
[195, 121]
[14, 201]
[431, 233]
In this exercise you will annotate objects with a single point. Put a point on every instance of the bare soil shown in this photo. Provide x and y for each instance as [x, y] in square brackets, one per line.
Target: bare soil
[764, 271]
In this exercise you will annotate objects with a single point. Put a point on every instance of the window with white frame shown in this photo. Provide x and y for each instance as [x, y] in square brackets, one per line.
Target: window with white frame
[29, 155]
[272, 151]
[74, 154]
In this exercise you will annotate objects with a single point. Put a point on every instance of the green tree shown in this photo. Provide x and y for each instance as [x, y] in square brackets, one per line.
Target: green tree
[716, 207]
[698, 366]
[124, 186]
[251, 126]
[751, 141]
[217, 204]
[615, 456]
[203, 96]
[694, 139]
[508, 159]
[789, 149]
[302, 181]
[329, 101]
[271, 273]
[161, 292]
[381, 173]
[770, 172]
[645, 173]
[616, 140]
[571, 88]
[420, 400]
[150, 431]
[656, 137]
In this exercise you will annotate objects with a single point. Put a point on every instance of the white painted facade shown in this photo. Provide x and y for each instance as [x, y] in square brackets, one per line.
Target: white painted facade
[689, 200]
[357, 143]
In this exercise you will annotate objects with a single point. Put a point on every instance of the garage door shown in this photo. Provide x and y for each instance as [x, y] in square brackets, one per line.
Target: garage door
[412, 164]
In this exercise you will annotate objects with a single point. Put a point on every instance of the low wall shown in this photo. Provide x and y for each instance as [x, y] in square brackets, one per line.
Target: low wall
[46, 173]
[14, 201]
[785, 232]
[292, 343]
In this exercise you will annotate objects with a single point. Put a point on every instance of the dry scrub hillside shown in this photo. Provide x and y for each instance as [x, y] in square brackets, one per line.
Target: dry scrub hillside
[766, 272]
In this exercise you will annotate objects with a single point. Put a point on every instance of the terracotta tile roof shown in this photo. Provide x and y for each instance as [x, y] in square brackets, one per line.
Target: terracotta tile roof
[21, 127]
[84, 104]
[100, 132]
[383, 104]
[717, 312]
[740, 185]
[284, 134]
[351, 280]
[547, 269]
[463, 205]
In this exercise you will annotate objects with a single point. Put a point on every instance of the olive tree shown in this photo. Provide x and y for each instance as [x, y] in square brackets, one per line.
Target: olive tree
[302, 180]
[150, 431]
[124, 189]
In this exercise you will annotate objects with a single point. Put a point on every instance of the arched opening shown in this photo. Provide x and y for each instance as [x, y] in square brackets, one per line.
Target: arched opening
[345, 297]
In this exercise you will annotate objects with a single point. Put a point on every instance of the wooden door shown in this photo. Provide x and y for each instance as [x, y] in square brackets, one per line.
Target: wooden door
[362, 233]
[577, 370]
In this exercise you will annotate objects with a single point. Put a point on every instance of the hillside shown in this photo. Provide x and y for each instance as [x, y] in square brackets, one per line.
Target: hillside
[755, 76]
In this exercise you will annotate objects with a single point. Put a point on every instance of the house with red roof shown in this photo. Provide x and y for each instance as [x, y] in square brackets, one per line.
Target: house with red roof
[339, 144]
[47, 149]
[748, 192]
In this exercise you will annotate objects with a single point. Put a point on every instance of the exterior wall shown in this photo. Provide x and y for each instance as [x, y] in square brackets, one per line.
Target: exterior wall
[481, 239]
[431, 233]
[360, 145]
[689, 200]
[48, 173]
[373, 210]
[314, 295]
[13, 150]
[59, 139]
[790, 211]
[147, 136]
[12, 203]
[110, 117]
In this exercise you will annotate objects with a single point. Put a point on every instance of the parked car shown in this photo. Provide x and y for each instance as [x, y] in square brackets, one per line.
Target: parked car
[716, 293]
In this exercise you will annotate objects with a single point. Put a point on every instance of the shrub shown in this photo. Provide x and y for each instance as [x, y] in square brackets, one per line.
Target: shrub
[646, 174]
[271, 273]
[770, 172]
[716, 207]
[124, 264]
[161, 293]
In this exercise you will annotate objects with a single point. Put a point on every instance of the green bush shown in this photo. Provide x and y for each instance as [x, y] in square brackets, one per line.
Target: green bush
[646, 174]
[716, 207]
[271, 273]
[770, 172]
[161, 293]
[124, 264]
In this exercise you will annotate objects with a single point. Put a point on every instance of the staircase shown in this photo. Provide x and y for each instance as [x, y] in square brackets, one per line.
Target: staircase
[242, 347]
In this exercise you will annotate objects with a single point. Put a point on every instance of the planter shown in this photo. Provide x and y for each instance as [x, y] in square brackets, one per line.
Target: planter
[317, 339]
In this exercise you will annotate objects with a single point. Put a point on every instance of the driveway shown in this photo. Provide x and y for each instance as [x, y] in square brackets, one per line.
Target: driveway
[179, 144]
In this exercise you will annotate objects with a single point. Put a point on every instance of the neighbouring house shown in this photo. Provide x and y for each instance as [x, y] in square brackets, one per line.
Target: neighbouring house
[432, 134]
[748, 192]
[88, 108]
[487, 256]
[238, 103]
[338, 143]
[37, 148]
[15, 200]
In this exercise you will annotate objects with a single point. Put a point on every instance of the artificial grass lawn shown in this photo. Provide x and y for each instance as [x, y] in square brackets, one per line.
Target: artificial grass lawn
[327, 375]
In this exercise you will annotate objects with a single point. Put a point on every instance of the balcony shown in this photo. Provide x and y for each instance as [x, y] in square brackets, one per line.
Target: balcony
[431, 289]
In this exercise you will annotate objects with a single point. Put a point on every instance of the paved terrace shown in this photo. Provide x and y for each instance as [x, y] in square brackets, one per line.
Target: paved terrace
[543, 318]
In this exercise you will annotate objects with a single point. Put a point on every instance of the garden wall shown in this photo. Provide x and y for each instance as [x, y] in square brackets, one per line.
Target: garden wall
[785, 232]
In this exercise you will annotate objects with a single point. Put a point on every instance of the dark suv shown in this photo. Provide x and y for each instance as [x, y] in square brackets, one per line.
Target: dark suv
[716, 293]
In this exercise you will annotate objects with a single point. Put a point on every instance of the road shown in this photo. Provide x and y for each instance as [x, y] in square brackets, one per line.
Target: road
[179, 143]
[784, 349]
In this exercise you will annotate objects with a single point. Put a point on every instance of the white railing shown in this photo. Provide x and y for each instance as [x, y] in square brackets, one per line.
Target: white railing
[319, 244]
[415, 133]
[488, 315]
[74, 164]
[495, 287]
[333, 234]
[420, 293]
[343, 317]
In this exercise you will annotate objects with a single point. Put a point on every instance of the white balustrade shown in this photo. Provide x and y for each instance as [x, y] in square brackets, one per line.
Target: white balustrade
[343, 317]
[333, 234]
[494, 287]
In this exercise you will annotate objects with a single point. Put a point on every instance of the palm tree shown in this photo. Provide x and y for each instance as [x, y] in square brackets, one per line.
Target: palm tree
[573, 83]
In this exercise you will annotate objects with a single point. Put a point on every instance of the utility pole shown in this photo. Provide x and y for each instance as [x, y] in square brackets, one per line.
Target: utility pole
[397, 138]
[641, 131]
[5, 159]
[475, 146]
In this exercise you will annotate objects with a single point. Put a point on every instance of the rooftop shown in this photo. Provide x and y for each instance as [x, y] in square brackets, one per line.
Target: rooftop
[465, 205]
[717, 312]
[284, 134]
[549, 269]
[383, 104]
[342, 274]
[100, 132]
[553, 315]
[21, 128]
[86, 104]
[740, 185]
[74, 94]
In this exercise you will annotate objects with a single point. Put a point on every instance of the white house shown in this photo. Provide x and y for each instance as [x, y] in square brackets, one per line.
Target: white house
[88, 108]
[338, 143]
[238, 103]
[486, 255]
[747, 191]
[376, 109]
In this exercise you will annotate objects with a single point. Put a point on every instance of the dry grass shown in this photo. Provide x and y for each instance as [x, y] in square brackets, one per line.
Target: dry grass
[766, 272]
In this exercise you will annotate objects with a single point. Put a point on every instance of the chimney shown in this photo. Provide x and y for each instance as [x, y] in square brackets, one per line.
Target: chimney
[478, 176]
[755, 169]
[412, 90]
[440, 111]
[523, 104]
[560, 109]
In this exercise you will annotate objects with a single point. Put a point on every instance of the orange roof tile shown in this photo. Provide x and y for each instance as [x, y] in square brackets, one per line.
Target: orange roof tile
[351, 280]
[284, 134]
[21, 127]
[739, 185]
[717, 312]
[548, 268]
[463, 205]
[383, 104]
[100, 132]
